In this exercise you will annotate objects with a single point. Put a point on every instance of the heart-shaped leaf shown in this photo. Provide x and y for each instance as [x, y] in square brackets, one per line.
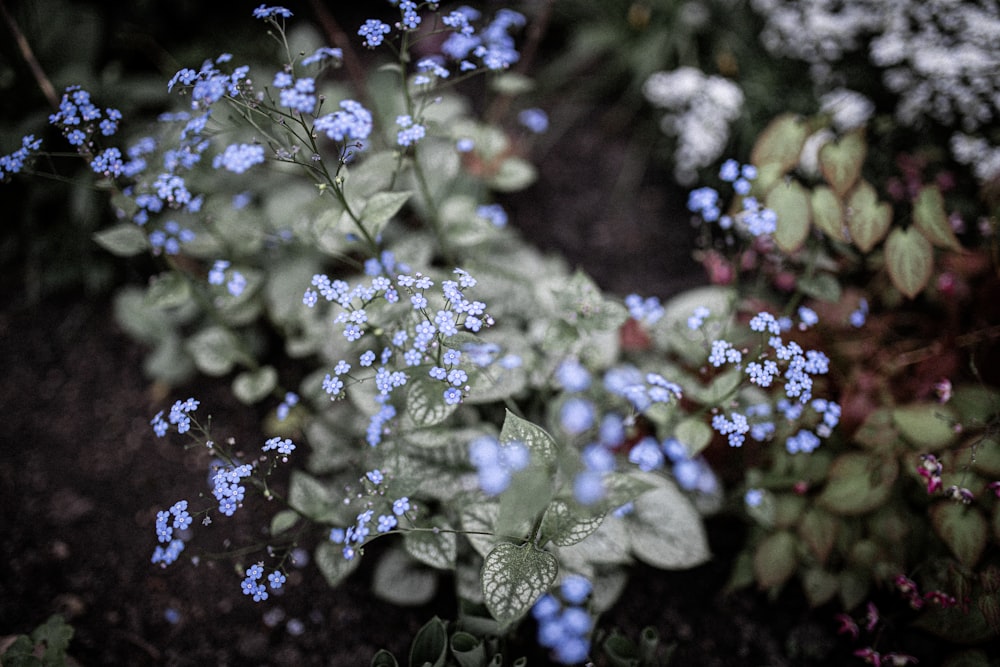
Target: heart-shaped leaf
[790, 201]
[828, 213]
[962, 528]
[858, 483]
[780, 143]
[514, 577]
[930, 218]
[840, 161]
[774, 561]
[868, 219]
[909, 259]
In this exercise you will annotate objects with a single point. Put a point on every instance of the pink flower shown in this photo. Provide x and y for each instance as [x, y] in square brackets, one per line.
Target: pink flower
[847, 626]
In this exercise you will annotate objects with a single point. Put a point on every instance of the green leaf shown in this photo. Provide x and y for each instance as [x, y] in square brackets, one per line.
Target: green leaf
[828, 213]
[858, 483]
[528, 495]
[514, 174]
[694, 433]
[927, 426]
[437, 549]
[665, 529]
[430, 646]
[139, 318]
[564, 527]
[425, 404]
[930, 218]
[774, 560]
[877, 431]
[250, 387]
[401, 580]
[962, 528]
[332, 564]
[840, 161]
[819, 585]
[282, 521]
[467, 649]
[384, 659]
[512, 83]
[822, 286]
[168, 290]
[790, 201]
[514, 577]
[311, 498]
[21, 653]
[780, 143]
[541, 445]
[124, 240]
[380, 209]
[479, 522]
[620, 488]
[818, 529]
[909, 259]
[868, 219]
[214, 350]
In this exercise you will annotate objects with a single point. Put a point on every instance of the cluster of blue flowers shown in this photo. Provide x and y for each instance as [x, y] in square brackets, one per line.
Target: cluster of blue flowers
[646, 310]
[755, 219]
[493, 46]
[641, 390]
[80, 120]
[564, 625]
[14, 162]
[217, 276]
[419, 339]
[354, 537]
[785, 361]
[252, 586]
[177, 517]
[496, 463]
[226, 478]
[179, 416]
[691, 473]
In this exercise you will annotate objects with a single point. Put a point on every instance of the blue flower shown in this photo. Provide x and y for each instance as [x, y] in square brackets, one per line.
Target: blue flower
[575, 589]
[276, 579]
[804, 441]
[647, 454]
[299, 97]
[647, 311]
[411, 131]
[536, 120]
[237, 158]
[374, 31]
[572, 376]
[323, 54]
[108, 162]
[588, 487]
[401, 506]
[494, 213]
[265, 12]
[576, 415]
[352, 122]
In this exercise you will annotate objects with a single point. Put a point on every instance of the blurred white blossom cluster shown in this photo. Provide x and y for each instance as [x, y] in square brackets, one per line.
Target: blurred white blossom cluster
[699, 109]
[940, 56]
